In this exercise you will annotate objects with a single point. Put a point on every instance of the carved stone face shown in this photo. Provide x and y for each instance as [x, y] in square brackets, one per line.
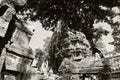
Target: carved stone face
[78, 45]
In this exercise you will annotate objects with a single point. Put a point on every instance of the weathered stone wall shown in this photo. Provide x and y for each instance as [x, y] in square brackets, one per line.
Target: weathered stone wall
[6, 17]
[16, 55]
[19, 54]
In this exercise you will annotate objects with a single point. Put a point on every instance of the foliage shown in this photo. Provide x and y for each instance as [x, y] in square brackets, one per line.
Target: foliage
[40, 57]
[47, 41]
[76, 14]
[116, 31]
[116, 36]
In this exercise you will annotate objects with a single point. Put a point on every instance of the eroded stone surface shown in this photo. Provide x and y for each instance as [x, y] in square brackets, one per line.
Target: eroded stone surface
[70, 47]
[16, 63]
[77, 46]
[19, 55]
[9, 77]
[5, 20]
[2, 59]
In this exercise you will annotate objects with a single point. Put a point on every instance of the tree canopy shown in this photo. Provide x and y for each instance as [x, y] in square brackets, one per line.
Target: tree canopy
[116, 34]
[76, 14]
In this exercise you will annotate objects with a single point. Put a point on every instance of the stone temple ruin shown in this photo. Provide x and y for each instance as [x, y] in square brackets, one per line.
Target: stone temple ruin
[71, 57]
[16, 55]
[67, 49]
[71, 54]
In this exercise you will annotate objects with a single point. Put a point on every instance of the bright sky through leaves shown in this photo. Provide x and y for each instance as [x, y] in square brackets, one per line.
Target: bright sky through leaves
[41, 34]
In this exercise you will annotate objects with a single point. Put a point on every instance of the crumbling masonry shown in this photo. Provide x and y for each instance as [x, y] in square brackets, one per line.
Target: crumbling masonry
[15, 54]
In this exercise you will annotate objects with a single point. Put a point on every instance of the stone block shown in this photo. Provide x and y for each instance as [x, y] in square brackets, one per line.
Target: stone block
[21, 38]
[21, 51]
[5, 20]
[7, 16]
[16, 63]
[9, 77]
[2, 59]
[3, 27]
[75, 77]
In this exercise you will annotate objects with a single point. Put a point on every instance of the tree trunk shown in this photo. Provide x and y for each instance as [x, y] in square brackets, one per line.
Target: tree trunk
[105, 72]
